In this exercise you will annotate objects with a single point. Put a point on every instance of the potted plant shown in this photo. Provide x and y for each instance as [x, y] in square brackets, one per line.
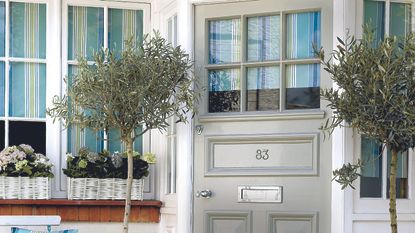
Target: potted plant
[103, 175]
[24, 174]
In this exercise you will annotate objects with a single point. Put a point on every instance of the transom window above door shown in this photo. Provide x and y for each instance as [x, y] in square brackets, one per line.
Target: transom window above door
[264, 63]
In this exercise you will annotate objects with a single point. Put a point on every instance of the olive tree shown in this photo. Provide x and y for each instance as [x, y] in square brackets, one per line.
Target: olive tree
[141, 88]
[375, 96]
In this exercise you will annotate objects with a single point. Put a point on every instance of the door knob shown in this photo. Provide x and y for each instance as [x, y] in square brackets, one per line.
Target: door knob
[204, 193]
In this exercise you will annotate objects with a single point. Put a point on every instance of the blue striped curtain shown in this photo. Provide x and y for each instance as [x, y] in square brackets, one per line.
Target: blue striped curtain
[85, 31]
[224, 80]
[374, 16]
[2, 28]
[224, 41]
[114, 143]
[123, 24]
[304, 75]
[264, 38]
[27, 30]
[263, 78]
[303, 30]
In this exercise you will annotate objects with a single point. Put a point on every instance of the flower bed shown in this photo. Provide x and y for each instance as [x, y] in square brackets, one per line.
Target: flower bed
[24, 174]
[103, 176]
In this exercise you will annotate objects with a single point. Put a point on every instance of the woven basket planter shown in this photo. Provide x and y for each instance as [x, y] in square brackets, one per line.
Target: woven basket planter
[24, 187]
[103, 189]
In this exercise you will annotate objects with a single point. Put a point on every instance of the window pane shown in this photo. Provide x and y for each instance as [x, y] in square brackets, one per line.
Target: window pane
[264, 38]
[27, 90]
[27, 30]
[374, 16]
[224, 41]
[263, 88]
[400, 19]
[122, 25]
[85, 31]
[32, 133]
[114, 142]
[224, 90]
[303, 30]
[401, 175]
[2, 85]
[172, 30]
[2, 133]
[2, 28]
[303, 86]
[371, 179]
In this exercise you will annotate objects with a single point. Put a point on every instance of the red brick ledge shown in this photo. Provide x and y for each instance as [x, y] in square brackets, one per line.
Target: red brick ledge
[147, 211]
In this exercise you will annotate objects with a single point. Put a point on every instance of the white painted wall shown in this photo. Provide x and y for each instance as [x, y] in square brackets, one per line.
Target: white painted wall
[96, 227]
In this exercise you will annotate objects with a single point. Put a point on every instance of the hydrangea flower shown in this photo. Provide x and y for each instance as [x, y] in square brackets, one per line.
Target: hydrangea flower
[149, 157]
[116, 159]
[92, 157]
[20, 164]
[27, 148]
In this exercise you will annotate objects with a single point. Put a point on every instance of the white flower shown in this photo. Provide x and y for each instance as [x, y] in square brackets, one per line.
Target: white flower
[149, 157]
[27, 148]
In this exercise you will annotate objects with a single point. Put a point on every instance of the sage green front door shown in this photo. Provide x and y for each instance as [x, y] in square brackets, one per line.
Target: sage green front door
[260, 163]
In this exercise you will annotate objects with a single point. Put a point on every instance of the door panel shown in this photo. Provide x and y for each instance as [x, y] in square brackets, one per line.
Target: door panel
[286, 158]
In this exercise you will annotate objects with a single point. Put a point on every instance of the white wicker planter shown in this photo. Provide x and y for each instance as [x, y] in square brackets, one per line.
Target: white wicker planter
[103, 189]
[24, 187]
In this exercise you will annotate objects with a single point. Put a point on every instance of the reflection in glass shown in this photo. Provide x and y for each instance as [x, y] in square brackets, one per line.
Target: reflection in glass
[224, 41]
[374, 16]
[303, 31]
[401, 175]
[263, 88]
[27, 90]
[303, 86]
[224, 90]
[371, 179]
[400, 19]
[264, 38]
[27, 30]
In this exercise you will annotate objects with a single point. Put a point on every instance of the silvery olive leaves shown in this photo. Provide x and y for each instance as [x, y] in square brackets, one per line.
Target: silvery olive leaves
[144, 86]
[88, 164]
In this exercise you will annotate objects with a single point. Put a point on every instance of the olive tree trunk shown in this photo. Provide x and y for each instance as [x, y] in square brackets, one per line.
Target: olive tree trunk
[392, 192]
[129, 184]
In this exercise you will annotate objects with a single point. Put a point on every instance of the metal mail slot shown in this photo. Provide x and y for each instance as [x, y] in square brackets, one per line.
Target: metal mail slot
[265, 194]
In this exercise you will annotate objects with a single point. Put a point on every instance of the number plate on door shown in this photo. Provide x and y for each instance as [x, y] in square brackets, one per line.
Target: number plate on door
[255, 194]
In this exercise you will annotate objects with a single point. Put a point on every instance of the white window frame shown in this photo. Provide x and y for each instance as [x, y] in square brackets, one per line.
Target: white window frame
[149, 192]
[365, 205]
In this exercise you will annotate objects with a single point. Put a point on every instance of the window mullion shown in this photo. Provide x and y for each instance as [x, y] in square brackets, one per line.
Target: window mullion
[243, 60]
[6, 76]
[282, 66]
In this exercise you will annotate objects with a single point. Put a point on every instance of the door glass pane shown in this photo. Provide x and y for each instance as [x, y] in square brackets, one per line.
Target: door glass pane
[32, 133]
[224, 90]
[27, 30]
[224, 41]
[27, 90]
[85, 31]
[2, 27]
[371, 179]
[263, 88]
[303, 31]
[303, 86]
[123, 25]
[374, 17]
[264, 38]
[115, 144]
[401, 175]
[2, 85]
[400, 19]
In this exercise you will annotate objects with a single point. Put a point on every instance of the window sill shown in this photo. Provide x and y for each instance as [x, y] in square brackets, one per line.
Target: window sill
[263, 116]
[147, 211]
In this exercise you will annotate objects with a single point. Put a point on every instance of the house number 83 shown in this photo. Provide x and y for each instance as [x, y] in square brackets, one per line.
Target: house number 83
[262, 154]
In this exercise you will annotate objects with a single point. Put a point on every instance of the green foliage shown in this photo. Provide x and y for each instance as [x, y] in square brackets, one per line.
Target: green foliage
[103, 165]
[347, 174]
[376, 89]
[144, 87]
